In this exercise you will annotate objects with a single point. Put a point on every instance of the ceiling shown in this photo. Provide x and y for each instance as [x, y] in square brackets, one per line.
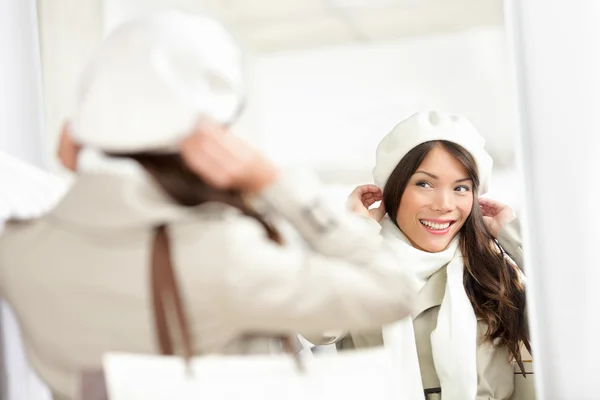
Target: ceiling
[275, 25]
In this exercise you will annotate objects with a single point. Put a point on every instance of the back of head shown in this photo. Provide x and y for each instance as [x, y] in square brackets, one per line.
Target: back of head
[152, 78]
[146, 88]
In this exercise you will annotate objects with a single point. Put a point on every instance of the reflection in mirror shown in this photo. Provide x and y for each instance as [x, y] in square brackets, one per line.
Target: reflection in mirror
[327, 81]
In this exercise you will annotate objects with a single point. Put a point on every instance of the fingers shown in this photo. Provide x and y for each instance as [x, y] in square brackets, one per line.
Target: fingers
[364, 189]
[209, 155]
[226, 156]
[489, 222]
[68, 150]
[490, 203]
[211, 171]
[226, 161]
[209, 150]
[370, 189]
[208, 127]
[367, 194]
[486, 207]
[489, 207]
[377, 213]
[369, 199]
[205, 130]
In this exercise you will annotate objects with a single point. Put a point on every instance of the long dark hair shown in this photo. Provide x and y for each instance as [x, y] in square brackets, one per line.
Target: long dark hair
[187, 189]
[491, 281]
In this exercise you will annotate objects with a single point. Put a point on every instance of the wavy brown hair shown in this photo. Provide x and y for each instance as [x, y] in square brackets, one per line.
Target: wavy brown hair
[187, 189]
[491, 280]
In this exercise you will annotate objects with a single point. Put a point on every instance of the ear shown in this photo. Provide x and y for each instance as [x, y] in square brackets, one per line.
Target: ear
[67, 148]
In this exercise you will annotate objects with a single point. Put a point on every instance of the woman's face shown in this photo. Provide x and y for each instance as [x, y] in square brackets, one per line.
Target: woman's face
[436, 202]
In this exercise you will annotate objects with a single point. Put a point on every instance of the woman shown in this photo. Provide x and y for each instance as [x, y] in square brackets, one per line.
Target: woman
[470, 318]
[77, 278]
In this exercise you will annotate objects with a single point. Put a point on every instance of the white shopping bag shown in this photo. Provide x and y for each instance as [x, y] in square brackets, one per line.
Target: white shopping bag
[361, 374]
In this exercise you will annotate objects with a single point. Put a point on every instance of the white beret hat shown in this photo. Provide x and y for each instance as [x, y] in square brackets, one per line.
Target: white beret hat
[152, 78]
[425, 127]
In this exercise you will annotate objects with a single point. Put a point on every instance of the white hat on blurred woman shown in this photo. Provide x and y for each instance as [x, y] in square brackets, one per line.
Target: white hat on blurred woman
[152, 78]
[425, 127]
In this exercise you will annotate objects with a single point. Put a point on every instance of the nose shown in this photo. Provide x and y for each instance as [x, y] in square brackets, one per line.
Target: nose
[443, 201]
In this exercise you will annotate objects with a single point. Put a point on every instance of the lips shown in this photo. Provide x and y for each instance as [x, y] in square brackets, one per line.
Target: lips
[436, 227]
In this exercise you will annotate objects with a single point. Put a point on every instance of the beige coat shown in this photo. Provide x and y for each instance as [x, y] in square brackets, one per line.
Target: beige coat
[495, 373]
[509, 238]
[78, 277]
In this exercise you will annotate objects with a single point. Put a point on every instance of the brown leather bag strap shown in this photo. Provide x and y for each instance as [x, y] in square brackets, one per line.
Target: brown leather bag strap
[165, 295]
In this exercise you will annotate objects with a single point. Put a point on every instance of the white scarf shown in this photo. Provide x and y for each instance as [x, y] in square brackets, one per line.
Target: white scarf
[454, 341]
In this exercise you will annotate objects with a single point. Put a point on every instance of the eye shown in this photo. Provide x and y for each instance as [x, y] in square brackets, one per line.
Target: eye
[462, 189]
[424, 184]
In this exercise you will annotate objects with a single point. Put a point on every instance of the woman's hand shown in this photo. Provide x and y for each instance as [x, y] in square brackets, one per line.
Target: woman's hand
[362, 198]
[68, 150]
[495, 214]
[225, 161]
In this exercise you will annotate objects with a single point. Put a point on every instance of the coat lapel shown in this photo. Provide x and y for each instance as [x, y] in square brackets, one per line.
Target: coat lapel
[432, 293]
[430, 296]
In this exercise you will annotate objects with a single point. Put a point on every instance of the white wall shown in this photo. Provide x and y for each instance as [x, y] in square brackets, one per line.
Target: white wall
[330, 107]
[21, 127]
[557, 48]
[326, 107]
[21, 106]
[69, 32]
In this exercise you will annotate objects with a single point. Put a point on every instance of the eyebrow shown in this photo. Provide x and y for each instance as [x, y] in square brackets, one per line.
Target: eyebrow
[436, 177]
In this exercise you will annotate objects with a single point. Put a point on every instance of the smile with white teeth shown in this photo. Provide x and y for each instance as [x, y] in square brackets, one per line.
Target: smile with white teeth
[434, 225]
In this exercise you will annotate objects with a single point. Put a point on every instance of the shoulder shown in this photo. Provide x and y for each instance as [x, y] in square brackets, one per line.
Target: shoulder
[13, 231]
[220, 232]
[220, 222]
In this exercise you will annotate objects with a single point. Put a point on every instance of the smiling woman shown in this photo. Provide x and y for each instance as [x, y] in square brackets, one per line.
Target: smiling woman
[434, 201]
[470, 320]
[433, 188]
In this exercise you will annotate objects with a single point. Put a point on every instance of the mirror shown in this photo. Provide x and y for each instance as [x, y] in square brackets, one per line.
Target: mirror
[327, 78]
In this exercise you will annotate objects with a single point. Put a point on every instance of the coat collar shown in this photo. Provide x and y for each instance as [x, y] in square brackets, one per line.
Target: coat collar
[108, 200]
